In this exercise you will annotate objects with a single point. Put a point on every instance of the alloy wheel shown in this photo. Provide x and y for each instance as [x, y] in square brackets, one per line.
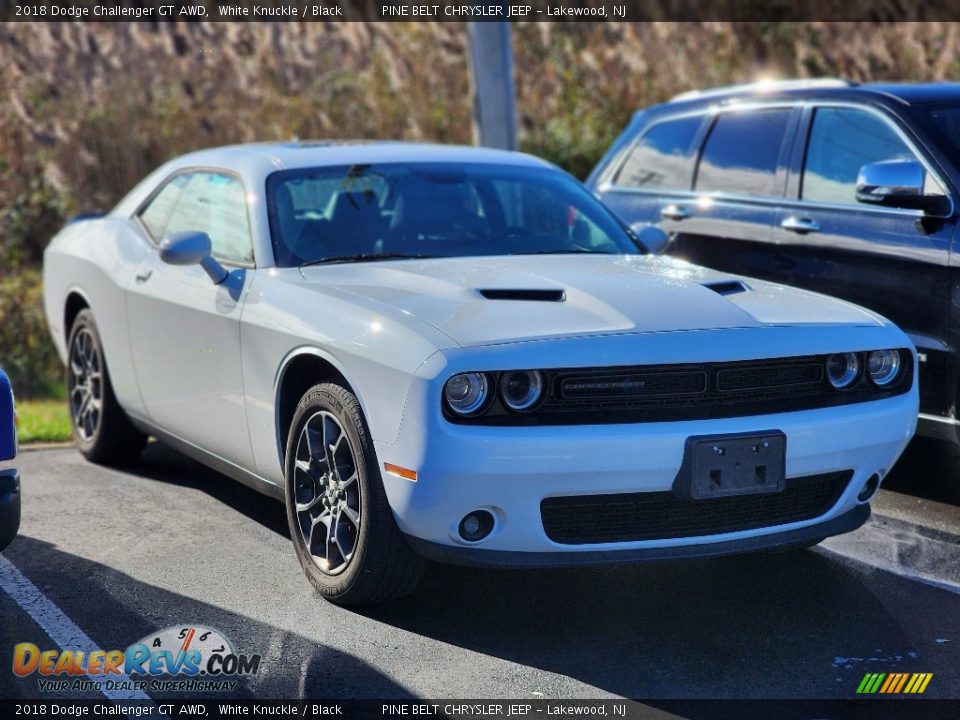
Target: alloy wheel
[85, 384]
[327, 493]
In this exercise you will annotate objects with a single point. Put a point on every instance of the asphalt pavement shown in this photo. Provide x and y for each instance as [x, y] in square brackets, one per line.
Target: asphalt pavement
[112, 556]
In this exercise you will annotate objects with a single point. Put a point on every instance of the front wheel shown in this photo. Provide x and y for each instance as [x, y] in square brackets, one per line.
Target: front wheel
[101, 429]
[342, 527]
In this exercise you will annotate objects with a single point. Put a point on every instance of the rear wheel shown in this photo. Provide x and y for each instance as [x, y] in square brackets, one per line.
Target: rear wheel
[101, 429]
[342, 527]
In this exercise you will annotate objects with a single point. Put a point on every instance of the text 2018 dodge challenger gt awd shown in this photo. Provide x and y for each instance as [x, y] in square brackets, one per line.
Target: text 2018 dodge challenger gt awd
[459, 354]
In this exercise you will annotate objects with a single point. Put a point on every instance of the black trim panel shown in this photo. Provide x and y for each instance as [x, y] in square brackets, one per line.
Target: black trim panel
[476, 557]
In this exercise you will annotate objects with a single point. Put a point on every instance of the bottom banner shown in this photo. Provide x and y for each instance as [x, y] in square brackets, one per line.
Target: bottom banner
[489, 709]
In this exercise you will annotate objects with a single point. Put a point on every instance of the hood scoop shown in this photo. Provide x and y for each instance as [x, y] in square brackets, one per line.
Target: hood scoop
[522, 294]
[727, 287]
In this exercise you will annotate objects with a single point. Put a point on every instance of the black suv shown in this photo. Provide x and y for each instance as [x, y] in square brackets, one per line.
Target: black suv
[846, 189]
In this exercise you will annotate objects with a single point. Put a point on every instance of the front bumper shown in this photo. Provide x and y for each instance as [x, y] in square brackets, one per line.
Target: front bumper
[508, 471]
[9, 506]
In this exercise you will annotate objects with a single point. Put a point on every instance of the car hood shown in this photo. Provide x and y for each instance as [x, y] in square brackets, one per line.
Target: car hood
[488, 300]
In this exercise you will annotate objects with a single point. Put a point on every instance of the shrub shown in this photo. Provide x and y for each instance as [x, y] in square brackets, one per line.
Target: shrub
[26, 350]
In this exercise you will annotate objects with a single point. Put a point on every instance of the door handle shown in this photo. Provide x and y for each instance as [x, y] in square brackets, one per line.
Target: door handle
[800, 225]
[143, 276]
[674, 212]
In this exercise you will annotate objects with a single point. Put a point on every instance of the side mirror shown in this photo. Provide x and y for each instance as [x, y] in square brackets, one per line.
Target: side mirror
[653, 238]
[898, 183]
[192, 248]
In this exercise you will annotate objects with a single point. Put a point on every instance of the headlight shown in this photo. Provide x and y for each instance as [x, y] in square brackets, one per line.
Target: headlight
[521, 389]
[466, 393]
[883, 366]
[843, 370]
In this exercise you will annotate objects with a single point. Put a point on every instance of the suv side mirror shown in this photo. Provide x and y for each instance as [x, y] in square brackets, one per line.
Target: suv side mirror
[653, 238]
[192, 248]
[898, 183]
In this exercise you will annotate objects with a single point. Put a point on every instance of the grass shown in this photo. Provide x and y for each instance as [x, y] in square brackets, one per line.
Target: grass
[43, 421]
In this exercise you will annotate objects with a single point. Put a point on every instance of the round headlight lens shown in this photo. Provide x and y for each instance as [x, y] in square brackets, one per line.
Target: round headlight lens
[883, 366]
[843, 370]
[466, 393]
[521, 389]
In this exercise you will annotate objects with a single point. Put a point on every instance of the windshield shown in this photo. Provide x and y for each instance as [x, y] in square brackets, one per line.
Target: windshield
[372, 212]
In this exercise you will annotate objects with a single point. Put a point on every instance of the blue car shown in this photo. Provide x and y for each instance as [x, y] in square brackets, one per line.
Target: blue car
[9, 477]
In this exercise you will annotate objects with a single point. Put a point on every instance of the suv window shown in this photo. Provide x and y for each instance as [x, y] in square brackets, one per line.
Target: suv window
[661, 158]
[742, 151]
[208, 202]
[842, 140]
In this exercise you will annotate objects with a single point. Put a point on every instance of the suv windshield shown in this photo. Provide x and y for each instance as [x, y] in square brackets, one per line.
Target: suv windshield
[373, 212]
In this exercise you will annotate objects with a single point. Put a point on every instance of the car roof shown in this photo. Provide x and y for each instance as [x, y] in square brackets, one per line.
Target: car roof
[907, 93]
[293, 154]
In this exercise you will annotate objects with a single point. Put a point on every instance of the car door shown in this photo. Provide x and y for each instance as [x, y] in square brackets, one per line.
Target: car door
[184, 330]
[656, 170]
[893, 260]
[740, 176]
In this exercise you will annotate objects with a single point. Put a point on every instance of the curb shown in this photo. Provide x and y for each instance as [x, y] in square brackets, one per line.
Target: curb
[35, 447]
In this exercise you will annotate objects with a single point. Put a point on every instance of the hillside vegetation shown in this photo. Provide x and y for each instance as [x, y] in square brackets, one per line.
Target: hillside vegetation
[86, 110]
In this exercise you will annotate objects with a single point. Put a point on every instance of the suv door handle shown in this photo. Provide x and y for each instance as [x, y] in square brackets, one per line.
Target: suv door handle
[674, 212]
[800, 225]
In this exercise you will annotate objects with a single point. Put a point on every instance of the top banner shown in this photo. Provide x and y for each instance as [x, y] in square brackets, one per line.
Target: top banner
[464, 10]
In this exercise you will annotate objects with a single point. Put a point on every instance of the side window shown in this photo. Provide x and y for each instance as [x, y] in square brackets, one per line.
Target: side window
[157, 214]
[842, 140]
[207, 202]
[741, 152]
[661, 159]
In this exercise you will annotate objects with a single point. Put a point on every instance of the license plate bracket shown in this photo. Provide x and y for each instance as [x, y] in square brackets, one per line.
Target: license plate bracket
[717, 466]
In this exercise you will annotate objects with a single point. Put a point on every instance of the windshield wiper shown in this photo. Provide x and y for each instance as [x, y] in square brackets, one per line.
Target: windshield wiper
[365, 257]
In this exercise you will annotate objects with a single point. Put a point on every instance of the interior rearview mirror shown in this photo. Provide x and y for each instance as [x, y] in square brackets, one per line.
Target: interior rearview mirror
[192, 248]
[653, 238]
[899, 183]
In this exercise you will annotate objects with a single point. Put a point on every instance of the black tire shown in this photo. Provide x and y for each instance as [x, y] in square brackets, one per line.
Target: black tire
[109, 438]
[375, 563]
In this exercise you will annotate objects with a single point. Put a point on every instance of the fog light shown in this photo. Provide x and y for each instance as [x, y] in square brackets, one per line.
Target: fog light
[870, 488]
[476, 526]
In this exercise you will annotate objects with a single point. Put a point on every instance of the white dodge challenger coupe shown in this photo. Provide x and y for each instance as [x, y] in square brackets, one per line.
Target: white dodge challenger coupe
[458, 354]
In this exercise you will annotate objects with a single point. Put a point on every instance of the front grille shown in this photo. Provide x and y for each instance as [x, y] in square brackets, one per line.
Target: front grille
[701, 391]
[630, 517]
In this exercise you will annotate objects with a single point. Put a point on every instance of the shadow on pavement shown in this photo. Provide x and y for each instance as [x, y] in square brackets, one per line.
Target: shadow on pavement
[166, 465]
[116, 610]
[761, 626]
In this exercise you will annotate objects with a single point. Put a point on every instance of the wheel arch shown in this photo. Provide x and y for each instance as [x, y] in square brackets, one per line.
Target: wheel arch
[75, 301]
[300, 370]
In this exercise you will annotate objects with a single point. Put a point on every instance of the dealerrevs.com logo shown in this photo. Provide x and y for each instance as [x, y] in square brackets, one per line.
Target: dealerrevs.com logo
[178, 658]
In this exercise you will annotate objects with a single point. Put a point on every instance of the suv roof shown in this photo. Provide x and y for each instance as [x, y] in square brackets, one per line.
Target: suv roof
[910, 93]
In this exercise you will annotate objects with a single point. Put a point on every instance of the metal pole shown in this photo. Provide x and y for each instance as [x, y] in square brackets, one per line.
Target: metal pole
[491, 75]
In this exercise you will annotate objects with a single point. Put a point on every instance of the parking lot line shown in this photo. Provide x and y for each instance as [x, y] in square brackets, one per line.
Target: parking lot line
[61, 629]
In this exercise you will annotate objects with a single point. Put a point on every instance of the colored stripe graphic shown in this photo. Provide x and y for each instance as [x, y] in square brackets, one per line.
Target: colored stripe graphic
[891, 680]
[894, 683]
[903, 681]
